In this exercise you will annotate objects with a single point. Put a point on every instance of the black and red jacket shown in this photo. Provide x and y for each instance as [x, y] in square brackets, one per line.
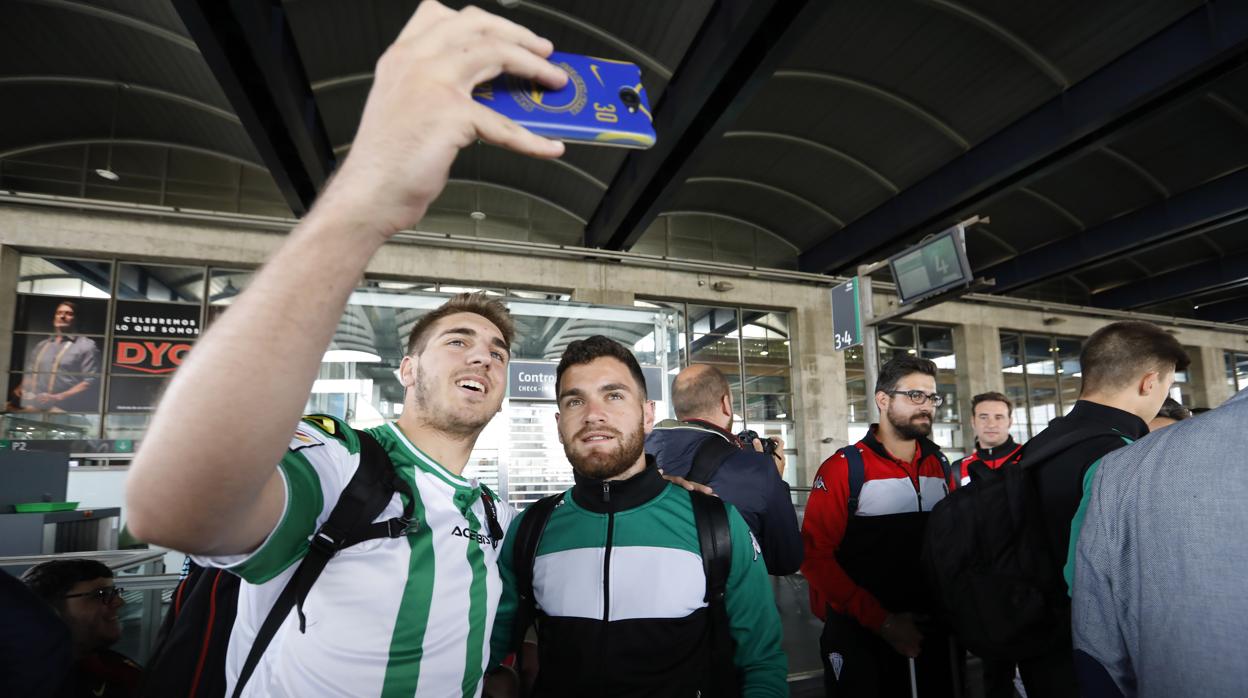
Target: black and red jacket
[867, 565]
[992, 457]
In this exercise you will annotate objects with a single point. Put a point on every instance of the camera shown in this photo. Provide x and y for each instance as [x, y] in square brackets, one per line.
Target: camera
[769, 444]
[630, 98]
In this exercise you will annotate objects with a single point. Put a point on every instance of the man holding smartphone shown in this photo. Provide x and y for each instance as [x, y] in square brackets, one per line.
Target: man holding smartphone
[207, 478]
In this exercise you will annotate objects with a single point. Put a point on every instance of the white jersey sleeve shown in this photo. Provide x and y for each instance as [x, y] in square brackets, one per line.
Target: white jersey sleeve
[315, 471]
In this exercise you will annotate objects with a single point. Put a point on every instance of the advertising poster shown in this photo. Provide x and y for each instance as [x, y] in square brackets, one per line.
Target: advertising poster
[59, 363]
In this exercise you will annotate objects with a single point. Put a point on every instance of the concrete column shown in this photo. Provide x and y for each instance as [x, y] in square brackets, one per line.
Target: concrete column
[978, 348]
[9, 269]
[819, 395]
[1207, 376]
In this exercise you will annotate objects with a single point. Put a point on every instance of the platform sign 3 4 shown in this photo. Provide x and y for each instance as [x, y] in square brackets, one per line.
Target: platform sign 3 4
[846, 320]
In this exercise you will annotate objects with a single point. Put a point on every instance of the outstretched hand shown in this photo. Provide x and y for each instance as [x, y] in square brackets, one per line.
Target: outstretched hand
[689, 485]
[420, 111]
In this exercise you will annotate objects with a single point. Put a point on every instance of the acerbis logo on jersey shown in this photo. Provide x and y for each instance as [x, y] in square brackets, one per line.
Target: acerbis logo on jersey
[480, 538]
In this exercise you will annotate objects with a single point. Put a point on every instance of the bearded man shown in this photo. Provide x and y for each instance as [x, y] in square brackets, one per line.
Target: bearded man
[863, 533]
[617, 577]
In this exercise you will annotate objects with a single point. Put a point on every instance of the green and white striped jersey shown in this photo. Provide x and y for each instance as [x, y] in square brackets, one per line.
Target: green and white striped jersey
[389, 617]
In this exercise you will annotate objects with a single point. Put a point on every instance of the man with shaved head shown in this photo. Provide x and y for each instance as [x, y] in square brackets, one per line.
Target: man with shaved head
[699, 445]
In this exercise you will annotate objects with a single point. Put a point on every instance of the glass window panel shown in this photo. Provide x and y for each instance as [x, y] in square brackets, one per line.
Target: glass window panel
[763, 408]
[1241, 371]
[49, 426]
[856, 385]
[1039, 356]
[160, 283]
[126, 426]
[1068, 371]
[71, 278]
[1010, 360]
[224, 285]
[60, 315]
[1229, 358]
[715, 340]
[896, 340]
[1043, 406]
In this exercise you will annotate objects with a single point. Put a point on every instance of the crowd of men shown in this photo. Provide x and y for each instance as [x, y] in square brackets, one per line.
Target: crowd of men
[636, 582]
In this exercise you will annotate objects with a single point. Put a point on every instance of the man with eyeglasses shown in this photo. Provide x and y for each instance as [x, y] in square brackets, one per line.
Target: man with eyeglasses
[83, 594]
[863, 533]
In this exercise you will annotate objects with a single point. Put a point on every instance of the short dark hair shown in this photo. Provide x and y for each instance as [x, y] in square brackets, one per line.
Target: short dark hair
[583, 351]
[1119, 353]
[53, 579]
[1173, 409]
[488, 307]
[698, 391]
[991, 396]
[899, 367]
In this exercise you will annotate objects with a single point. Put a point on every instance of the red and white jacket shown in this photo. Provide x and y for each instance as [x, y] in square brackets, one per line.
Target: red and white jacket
[992, 457]
[894, 491]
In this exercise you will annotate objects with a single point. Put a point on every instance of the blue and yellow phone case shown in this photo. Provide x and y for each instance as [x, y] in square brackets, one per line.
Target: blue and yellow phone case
[588, 109]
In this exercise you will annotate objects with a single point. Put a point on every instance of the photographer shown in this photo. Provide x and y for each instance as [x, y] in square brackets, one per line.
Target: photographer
[698, 445]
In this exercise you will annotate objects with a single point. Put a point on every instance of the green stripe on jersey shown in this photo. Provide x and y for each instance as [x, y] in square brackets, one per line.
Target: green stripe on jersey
[476, 614]
[289, 541]
[407, 642]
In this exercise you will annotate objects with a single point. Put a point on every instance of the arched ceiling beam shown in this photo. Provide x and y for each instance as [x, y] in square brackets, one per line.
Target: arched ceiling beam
[78, 81]
[1007, 37]
[777, 191]
[641, 57]
[739, 46]
[1230, 310]
[885, 95]
[983, 230]
[341, 151]
[1138, 169]
[734, 219]
[1193, 280]
[1209, 206]
[119, 18]
[251, 50]
[521, 192]
[1180, 61]
[140, 142]
[822, 148]
[638, 56]
[1060, 209]
[1228, 107]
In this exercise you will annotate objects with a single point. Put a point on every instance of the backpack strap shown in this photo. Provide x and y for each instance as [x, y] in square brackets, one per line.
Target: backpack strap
[369, 491]
[857, 475]
[715, 541]
[711, 454]
[528, 535]
[1032, 456]
[947, 470]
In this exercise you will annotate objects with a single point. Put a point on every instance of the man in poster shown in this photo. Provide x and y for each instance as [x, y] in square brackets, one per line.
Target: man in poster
[62, 371]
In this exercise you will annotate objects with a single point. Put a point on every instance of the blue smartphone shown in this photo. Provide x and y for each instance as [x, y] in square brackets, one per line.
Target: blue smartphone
[603, 103]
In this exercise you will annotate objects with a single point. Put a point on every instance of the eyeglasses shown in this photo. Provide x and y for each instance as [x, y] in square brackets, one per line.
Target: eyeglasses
[105, 595]
[918, 397]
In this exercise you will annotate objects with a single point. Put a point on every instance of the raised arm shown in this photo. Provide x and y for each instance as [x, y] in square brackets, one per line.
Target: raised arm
[205, 479]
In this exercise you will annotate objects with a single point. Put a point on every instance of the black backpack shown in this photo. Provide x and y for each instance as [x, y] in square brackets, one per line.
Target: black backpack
[189, 659]
[987, 554]
[715, 541]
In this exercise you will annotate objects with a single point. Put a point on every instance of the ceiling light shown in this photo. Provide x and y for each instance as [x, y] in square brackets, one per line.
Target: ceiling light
[107, 172]
[477, 215]
[762, 353]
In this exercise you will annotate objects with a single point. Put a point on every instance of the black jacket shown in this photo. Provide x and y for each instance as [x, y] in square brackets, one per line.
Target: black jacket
[748, 480]
[1060, 481]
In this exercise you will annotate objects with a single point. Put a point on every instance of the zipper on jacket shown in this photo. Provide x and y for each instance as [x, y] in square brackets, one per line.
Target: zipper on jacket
[606, 558]
[605, 668]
